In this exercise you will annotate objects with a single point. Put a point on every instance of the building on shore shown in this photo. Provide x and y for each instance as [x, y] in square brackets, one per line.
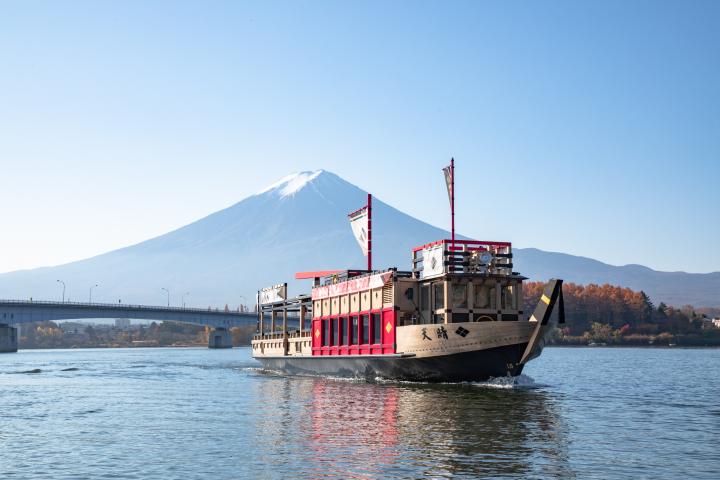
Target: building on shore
[122, 323]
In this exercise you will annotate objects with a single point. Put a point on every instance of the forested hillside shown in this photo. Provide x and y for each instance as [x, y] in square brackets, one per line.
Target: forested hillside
[611, 314]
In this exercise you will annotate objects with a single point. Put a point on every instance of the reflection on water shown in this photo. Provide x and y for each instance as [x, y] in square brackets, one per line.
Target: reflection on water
[196, 414]
[360, 429]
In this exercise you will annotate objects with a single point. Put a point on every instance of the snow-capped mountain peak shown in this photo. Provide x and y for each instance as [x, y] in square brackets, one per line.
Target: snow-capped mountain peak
[291, 184]
[297, 224]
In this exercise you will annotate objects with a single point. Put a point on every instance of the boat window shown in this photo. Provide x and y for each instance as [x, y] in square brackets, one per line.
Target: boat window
[344, 328]
[425, 297]
[508, 297]
[323, 335]
[484, 296]
[424, 313]
[353, 332]
[377, 329]
[439, 293]
[327, 340]
[364, 329]
[336, 332]
[459, 295]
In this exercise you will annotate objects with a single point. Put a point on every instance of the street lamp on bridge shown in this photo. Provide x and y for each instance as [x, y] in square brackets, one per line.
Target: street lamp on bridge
[63, 284]
[183, 298]
[90, 300]
[244, 299]
[168, 295]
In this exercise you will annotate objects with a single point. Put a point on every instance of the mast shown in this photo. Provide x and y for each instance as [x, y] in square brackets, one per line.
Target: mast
[369, 238]
[452, 202]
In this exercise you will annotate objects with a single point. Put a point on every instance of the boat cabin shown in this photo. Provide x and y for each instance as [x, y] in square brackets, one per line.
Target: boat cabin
[357, 312]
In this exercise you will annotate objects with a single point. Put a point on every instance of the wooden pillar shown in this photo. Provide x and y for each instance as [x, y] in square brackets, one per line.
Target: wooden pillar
[286, 341]
[447, 289]
[471, 298]
[262, 326]
[303, 310]
[519, 297]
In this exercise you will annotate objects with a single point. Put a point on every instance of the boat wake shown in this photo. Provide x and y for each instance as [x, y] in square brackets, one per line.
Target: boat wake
[521, 382]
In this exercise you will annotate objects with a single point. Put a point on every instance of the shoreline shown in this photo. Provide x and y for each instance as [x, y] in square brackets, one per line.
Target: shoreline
[631, 346]
[106, 347]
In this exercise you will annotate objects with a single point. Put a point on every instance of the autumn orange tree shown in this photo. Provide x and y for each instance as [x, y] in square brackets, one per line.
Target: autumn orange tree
[621, 308]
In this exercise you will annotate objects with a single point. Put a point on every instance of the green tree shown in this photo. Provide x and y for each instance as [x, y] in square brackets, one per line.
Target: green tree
[601, 332]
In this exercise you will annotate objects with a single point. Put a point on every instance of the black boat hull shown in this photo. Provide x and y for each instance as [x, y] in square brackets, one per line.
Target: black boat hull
[474, 366]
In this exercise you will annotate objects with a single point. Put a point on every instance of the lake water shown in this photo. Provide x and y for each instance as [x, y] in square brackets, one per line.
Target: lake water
[211, 414]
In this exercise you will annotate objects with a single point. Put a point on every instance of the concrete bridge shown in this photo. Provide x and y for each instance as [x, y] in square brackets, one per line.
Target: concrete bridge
[14, 312]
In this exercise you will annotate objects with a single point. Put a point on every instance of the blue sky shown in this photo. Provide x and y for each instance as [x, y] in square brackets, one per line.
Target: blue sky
[586, 128]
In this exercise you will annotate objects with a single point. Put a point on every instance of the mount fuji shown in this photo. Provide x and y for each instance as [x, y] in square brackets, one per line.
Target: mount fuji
[300, 223]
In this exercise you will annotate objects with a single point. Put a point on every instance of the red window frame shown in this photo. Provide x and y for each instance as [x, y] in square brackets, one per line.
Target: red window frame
[345, 321]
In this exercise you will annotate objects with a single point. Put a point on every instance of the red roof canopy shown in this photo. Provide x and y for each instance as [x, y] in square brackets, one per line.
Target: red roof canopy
[318, 274]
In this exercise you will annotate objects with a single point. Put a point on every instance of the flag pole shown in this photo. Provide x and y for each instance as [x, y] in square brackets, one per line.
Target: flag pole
[370, 232]
[452, 201]
[369, 239]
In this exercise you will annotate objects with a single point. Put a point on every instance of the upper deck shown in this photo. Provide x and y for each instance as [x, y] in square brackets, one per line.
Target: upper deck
[460, 257]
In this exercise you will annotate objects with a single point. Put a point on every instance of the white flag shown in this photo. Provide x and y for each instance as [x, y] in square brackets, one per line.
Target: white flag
[359, 225]
[449, 181]
[276, 293]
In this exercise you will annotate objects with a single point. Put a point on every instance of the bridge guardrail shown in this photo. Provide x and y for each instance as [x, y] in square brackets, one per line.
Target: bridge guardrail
[123, 306]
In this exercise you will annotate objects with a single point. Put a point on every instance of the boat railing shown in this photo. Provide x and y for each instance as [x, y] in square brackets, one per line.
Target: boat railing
[462, 257]
[281, 335]
[353, 275]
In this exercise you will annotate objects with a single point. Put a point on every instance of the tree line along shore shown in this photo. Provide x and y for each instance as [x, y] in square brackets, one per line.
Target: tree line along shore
[610, 315]
[595, 315]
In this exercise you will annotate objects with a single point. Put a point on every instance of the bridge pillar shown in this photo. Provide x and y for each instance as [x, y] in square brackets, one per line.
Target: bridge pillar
[220, 338]
[8, 339]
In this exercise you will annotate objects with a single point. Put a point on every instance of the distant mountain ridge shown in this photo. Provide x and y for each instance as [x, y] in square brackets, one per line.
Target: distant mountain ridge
[300, 223]
[673, 288]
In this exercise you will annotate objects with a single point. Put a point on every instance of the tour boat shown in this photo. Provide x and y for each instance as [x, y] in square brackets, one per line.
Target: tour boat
[456, 315]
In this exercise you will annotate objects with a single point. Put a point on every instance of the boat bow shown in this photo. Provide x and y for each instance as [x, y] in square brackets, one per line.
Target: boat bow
[546, 323]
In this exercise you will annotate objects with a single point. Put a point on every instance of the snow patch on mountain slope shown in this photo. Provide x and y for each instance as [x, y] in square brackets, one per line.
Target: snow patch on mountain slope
[291, 184]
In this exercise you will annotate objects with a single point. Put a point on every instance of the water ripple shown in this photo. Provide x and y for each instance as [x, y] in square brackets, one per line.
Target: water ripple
[198, 414]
